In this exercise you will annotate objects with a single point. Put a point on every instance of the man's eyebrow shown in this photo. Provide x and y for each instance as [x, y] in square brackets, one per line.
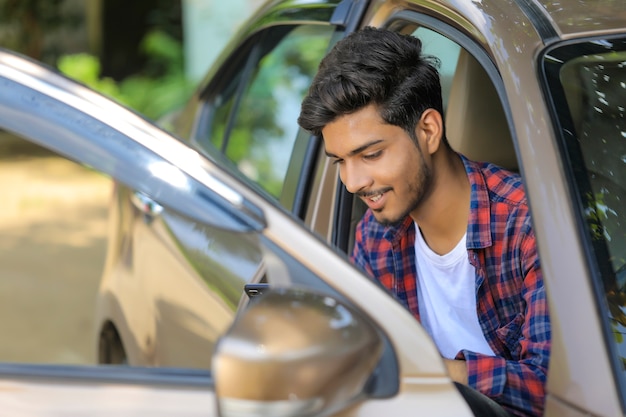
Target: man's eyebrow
[357, 150]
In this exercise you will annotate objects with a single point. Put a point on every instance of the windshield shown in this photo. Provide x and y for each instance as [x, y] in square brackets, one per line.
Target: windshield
[587, 82]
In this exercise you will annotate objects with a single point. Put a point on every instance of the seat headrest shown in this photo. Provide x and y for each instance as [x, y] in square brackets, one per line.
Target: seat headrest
[476, 125]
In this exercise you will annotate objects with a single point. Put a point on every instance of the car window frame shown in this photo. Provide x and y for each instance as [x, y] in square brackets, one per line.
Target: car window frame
[299, 171]
[550, 60]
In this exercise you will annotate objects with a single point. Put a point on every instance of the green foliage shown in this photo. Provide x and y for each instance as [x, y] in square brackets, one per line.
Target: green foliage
[159, 89]
[86, 69]
[263, 123]
[600, 209]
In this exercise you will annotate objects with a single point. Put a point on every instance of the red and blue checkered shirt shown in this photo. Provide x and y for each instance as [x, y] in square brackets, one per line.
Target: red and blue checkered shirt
[510, 296]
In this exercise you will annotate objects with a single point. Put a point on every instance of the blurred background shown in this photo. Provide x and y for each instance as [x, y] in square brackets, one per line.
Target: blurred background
[146, 54]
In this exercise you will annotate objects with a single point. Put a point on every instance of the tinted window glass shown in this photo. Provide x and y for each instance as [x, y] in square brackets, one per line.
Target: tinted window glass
[256, 114]
[588, 85]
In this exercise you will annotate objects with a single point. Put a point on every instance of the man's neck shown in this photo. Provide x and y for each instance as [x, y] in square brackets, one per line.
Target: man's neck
[443, 217]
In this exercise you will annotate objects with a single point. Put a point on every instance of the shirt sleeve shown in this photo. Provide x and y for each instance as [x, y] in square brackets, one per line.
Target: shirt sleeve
[518, 384]
[359, 255]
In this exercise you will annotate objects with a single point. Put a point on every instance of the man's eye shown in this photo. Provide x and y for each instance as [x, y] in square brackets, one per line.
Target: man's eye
[373, 155]
[337, 161]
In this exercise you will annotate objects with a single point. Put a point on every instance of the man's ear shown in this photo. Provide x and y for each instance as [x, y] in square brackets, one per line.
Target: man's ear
[429, 130]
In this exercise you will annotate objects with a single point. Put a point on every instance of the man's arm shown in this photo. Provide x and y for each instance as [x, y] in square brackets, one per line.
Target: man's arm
[519, 382]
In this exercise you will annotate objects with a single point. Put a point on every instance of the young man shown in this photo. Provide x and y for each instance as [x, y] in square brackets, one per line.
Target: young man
[450, 238]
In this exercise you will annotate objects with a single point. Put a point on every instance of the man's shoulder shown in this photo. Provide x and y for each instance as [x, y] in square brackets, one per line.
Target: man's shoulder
[503, 185]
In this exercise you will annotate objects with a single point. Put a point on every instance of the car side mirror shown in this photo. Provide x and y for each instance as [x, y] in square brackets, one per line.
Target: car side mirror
[294, 353]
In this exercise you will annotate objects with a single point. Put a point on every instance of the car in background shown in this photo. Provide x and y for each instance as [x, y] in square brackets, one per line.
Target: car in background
[227, 289]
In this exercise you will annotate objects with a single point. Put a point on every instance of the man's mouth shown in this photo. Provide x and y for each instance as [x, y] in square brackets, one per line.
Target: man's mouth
[375, 200]
[375, 197]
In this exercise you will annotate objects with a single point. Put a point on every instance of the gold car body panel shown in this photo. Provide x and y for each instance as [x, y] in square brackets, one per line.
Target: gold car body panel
[580, 375]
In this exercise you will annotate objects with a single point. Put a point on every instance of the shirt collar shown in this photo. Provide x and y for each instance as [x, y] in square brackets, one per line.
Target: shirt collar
[479, 224]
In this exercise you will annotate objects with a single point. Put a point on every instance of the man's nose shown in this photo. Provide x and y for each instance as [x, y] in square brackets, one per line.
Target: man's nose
[354, 177]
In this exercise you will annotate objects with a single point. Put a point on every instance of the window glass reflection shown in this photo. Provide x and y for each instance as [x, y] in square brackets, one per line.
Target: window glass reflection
[595, 87]
[265, 125]
[592, 77]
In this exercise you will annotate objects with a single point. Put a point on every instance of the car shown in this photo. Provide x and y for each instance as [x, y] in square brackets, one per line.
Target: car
[227, 289]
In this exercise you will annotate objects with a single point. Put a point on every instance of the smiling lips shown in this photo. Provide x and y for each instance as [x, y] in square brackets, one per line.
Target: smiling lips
[375, 201]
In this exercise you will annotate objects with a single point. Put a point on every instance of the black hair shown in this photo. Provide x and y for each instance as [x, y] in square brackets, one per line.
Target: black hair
[373, 66]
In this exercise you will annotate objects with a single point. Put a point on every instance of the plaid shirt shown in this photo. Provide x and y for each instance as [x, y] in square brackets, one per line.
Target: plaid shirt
[511, 300]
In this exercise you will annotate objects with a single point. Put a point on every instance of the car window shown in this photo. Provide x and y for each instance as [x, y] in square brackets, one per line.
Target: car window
[586, 82]
[53, 223]
[253, 116]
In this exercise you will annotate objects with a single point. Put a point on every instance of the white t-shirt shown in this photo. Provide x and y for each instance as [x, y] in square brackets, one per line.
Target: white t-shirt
[446, 294]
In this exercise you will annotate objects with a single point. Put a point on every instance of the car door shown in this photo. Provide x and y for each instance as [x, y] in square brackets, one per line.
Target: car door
[61, 145]
[245, 117]
[403, 370]
[585, 79]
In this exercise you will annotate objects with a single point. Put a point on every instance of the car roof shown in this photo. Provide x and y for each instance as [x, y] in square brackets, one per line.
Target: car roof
[553, 19]
[584, 17]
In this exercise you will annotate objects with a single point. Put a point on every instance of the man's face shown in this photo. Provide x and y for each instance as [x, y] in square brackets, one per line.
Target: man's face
[378, 162]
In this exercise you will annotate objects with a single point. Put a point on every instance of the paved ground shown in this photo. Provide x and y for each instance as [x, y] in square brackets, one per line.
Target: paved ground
[53, 219]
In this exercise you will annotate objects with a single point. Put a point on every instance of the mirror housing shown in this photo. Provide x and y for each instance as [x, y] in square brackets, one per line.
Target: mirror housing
[294, 353]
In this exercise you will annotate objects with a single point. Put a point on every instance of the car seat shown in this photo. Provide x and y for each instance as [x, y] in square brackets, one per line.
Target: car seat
[476, 125]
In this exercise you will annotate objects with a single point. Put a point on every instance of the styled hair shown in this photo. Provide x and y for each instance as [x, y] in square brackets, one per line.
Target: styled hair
[373, 66]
